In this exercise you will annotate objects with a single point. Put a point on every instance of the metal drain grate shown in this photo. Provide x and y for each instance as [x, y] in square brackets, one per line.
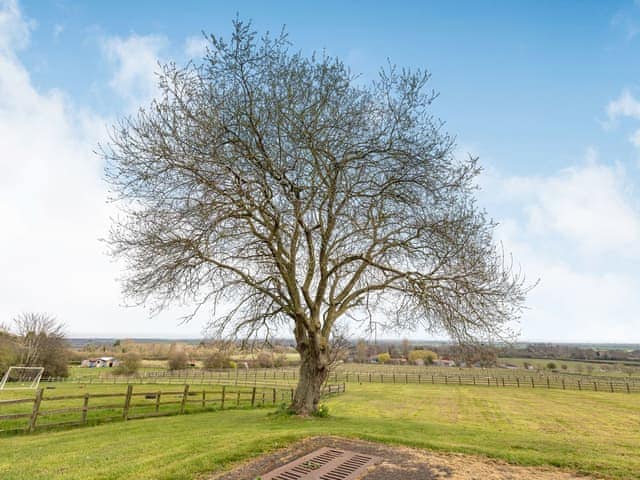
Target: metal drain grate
[324, 464]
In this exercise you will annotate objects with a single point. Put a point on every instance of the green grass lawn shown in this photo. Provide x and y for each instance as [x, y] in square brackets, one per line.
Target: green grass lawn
[596, 433]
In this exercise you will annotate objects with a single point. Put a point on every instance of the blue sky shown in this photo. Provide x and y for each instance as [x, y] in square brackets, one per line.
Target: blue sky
[546, 93]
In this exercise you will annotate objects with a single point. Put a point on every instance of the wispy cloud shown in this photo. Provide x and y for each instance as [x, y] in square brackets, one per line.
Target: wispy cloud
[195, 47]
[625, 105]
[135, 64]
[578, 231]
[15, 30]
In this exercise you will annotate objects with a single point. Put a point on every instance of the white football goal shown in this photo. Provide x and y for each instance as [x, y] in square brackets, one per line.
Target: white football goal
[21, 377]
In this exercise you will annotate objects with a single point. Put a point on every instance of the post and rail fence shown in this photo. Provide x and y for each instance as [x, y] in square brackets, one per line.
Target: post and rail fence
[281, 378]
[27, 414]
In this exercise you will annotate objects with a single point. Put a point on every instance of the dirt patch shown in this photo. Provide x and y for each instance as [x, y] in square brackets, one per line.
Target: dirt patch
[401, 463]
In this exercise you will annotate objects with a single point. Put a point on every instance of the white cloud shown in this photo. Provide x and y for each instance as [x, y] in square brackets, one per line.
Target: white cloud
[52, 205]
[195, 47]
[14, 29]
[624, 106]
[135, 61]
[635, 138]
[578, 231]
[585, 205]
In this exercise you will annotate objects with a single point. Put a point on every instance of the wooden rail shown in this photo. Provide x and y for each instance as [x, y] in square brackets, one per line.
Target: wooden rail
[76, 409]
[279, 378]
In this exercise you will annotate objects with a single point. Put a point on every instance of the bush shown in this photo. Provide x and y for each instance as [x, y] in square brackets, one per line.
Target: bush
[280, 361]
[178, 360]
[427, 356]
[322, 411]
[232, 364]
[265, 360]
[129, 364]
[216, 359]
[551, 366]
[384, 358]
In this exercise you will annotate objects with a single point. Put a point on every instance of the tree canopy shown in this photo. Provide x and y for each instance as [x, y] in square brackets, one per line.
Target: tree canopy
[284, 186]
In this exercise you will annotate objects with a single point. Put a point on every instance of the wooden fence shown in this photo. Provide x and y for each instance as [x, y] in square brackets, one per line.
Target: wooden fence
[284, 377]
[547, 382]
[92, 408]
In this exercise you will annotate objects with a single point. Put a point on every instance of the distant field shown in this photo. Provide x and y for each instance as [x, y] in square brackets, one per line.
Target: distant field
[595, 433]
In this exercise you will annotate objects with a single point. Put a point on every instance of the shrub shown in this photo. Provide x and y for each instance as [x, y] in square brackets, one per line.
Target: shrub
[322, 411]
[216, 359]
[427, 356]
[551, 366]
[384, 358]
[280, 361]
[232, 364]
[265, 360]
[178, 360]
[129, 364]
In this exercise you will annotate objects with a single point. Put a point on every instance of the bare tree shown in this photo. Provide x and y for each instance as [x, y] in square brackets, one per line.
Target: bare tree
[42, 343]
[281, 185]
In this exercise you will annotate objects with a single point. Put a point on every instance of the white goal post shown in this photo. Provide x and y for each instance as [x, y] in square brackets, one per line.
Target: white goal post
[21, 377]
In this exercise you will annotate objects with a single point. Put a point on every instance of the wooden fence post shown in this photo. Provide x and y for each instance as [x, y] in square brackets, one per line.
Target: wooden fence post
[36, 409]
[238, 398]
[85, 409]
[253, 397]
[222, 401]
[127, 402]
[185, 393]
[204, 398]
[158, 401]
[275, 396]
[627, 384]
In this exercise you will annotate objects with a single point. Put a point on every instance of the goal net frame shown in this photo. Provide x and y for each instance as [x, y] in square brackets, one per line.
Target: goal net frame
[33, 380]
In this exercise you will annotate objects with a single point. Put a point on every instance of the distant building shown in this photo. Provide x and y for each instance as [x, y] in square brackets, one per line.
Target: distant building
[101, 362]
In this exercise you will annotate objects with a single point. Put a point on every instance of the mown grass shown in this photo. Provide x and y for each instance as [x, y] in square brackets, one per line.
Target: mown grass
[589, 432]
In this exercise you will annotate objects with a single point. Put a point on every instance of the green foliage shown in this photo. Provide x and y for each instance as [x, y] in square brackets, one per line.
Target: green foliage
[8, 351]
[384, 358]
[427, 356]
[322, 411]
[282, 410]
[551, 366]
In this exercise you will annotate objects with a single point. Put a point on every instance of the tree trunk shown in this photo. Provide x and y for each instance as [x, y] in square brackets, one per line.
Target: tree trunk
[313, 373]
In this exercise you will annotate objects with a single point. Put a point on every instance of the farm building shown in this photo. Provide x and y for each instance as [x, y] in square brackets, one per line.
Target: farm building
[101, 362]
